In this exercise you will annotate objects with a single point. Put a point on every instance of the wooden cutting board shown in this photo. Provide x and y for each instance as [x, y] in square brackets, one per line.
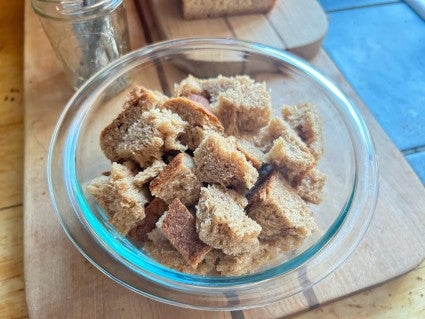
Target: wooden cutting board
[60, 283]
[295, 25]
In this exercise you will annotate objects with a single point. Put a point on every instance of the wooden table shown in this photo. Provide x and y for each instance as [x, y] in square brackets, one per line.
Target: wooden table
[401, 297]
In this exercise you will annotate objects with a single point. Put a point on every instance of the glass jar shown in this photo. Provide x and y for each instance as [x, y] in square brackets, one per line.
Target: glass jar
[85, 34]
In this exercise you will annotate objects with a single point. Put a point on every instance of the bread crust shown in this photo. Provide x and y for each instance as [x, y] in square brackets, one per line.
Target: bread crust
[178, 225]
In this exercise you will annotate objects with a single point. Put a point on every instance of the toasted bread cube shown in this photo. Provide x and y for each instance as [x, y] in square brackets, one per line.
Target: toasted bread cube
[246, 263]
[178, 226]
[153, 211]
[144, 99]
[155, 132]
[177, 180]
[221, 221]
[199, 120]
[139, 101]
[149, 173]
[241, 104]
[290, 157]
[208, 88]
[159, 248]
[245, 108]
[305, 120]
[251, 152]
[218, 161]
[311, 186]
[286, 150]
[121, 200]
[284, 217]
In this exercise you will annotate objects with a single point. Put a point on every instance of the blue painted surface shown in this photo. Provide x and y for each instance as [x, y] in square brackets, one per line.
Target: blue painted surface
[417, 161]
[330, 5]
[381, 51]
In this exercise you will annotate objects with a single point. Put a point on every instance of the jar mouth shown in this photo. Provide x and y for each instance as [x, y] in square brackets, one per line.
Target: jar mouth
[76, 10]
[153, 280]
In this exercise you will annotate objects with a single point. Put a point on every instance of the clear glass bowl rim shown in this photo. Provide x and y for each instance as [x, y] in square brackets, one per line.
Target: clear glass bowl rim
[357, 213]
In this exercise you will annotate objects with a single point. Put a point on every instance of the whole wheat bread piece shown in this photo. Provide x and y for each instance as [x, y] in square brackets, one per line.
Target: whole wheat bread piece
[218, 161]
[139, 100]
[285, 150]
[150, 136]
[251, 152]
[199, 9]
[284, 217]
[221, 221]
[159, 248]
[198, 117]
[242, 105]
[304, 118]
[246, 263]
[120, 198]
[149, 173]
[177, 180]
[178, 225]
[311, 186]
[153, 211]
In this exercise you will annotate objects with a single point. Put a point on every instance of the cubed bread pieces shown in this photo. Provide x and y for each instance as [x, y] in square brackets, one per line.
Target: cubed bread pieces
[199, 9]
[241, 104]
[159, 248]
[117, 195]
[153, 211]
[291, 159]
[286, 150]
[149, 173]
[218, 161]
[144, 99]
[244, 109]
[246, 263]
[199, 120]
[252, 153]
[304, 118]
[221, 221]
[284, 217]
[155, 132]
[178, 225]
[311, 186]
[208, 88]
[138, 101]
[177, 180]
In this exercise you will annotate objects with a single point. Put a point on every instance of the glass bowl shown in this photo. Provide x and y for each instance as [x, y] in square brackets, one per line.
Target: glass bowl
[349, 161]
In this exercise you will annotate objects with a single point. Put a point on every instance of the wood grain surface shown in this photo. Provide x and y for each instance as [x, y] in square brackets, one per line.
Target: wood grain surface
[401, 297]
[295, 25]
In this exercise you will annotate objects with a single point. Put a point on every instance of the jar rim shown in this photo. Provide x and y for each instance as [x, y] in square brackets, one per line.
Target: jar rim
[74, 9]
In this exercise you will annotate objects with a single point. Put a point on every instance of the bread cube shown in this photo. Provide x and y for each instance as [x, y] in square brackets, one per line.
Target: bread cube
[305, 120]
[177, 180]
[311, 186]
[178, 226]
[221, 221]
[120, 198]
[199, 120]
[218, 161]
[153, 211]
[284, 217]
